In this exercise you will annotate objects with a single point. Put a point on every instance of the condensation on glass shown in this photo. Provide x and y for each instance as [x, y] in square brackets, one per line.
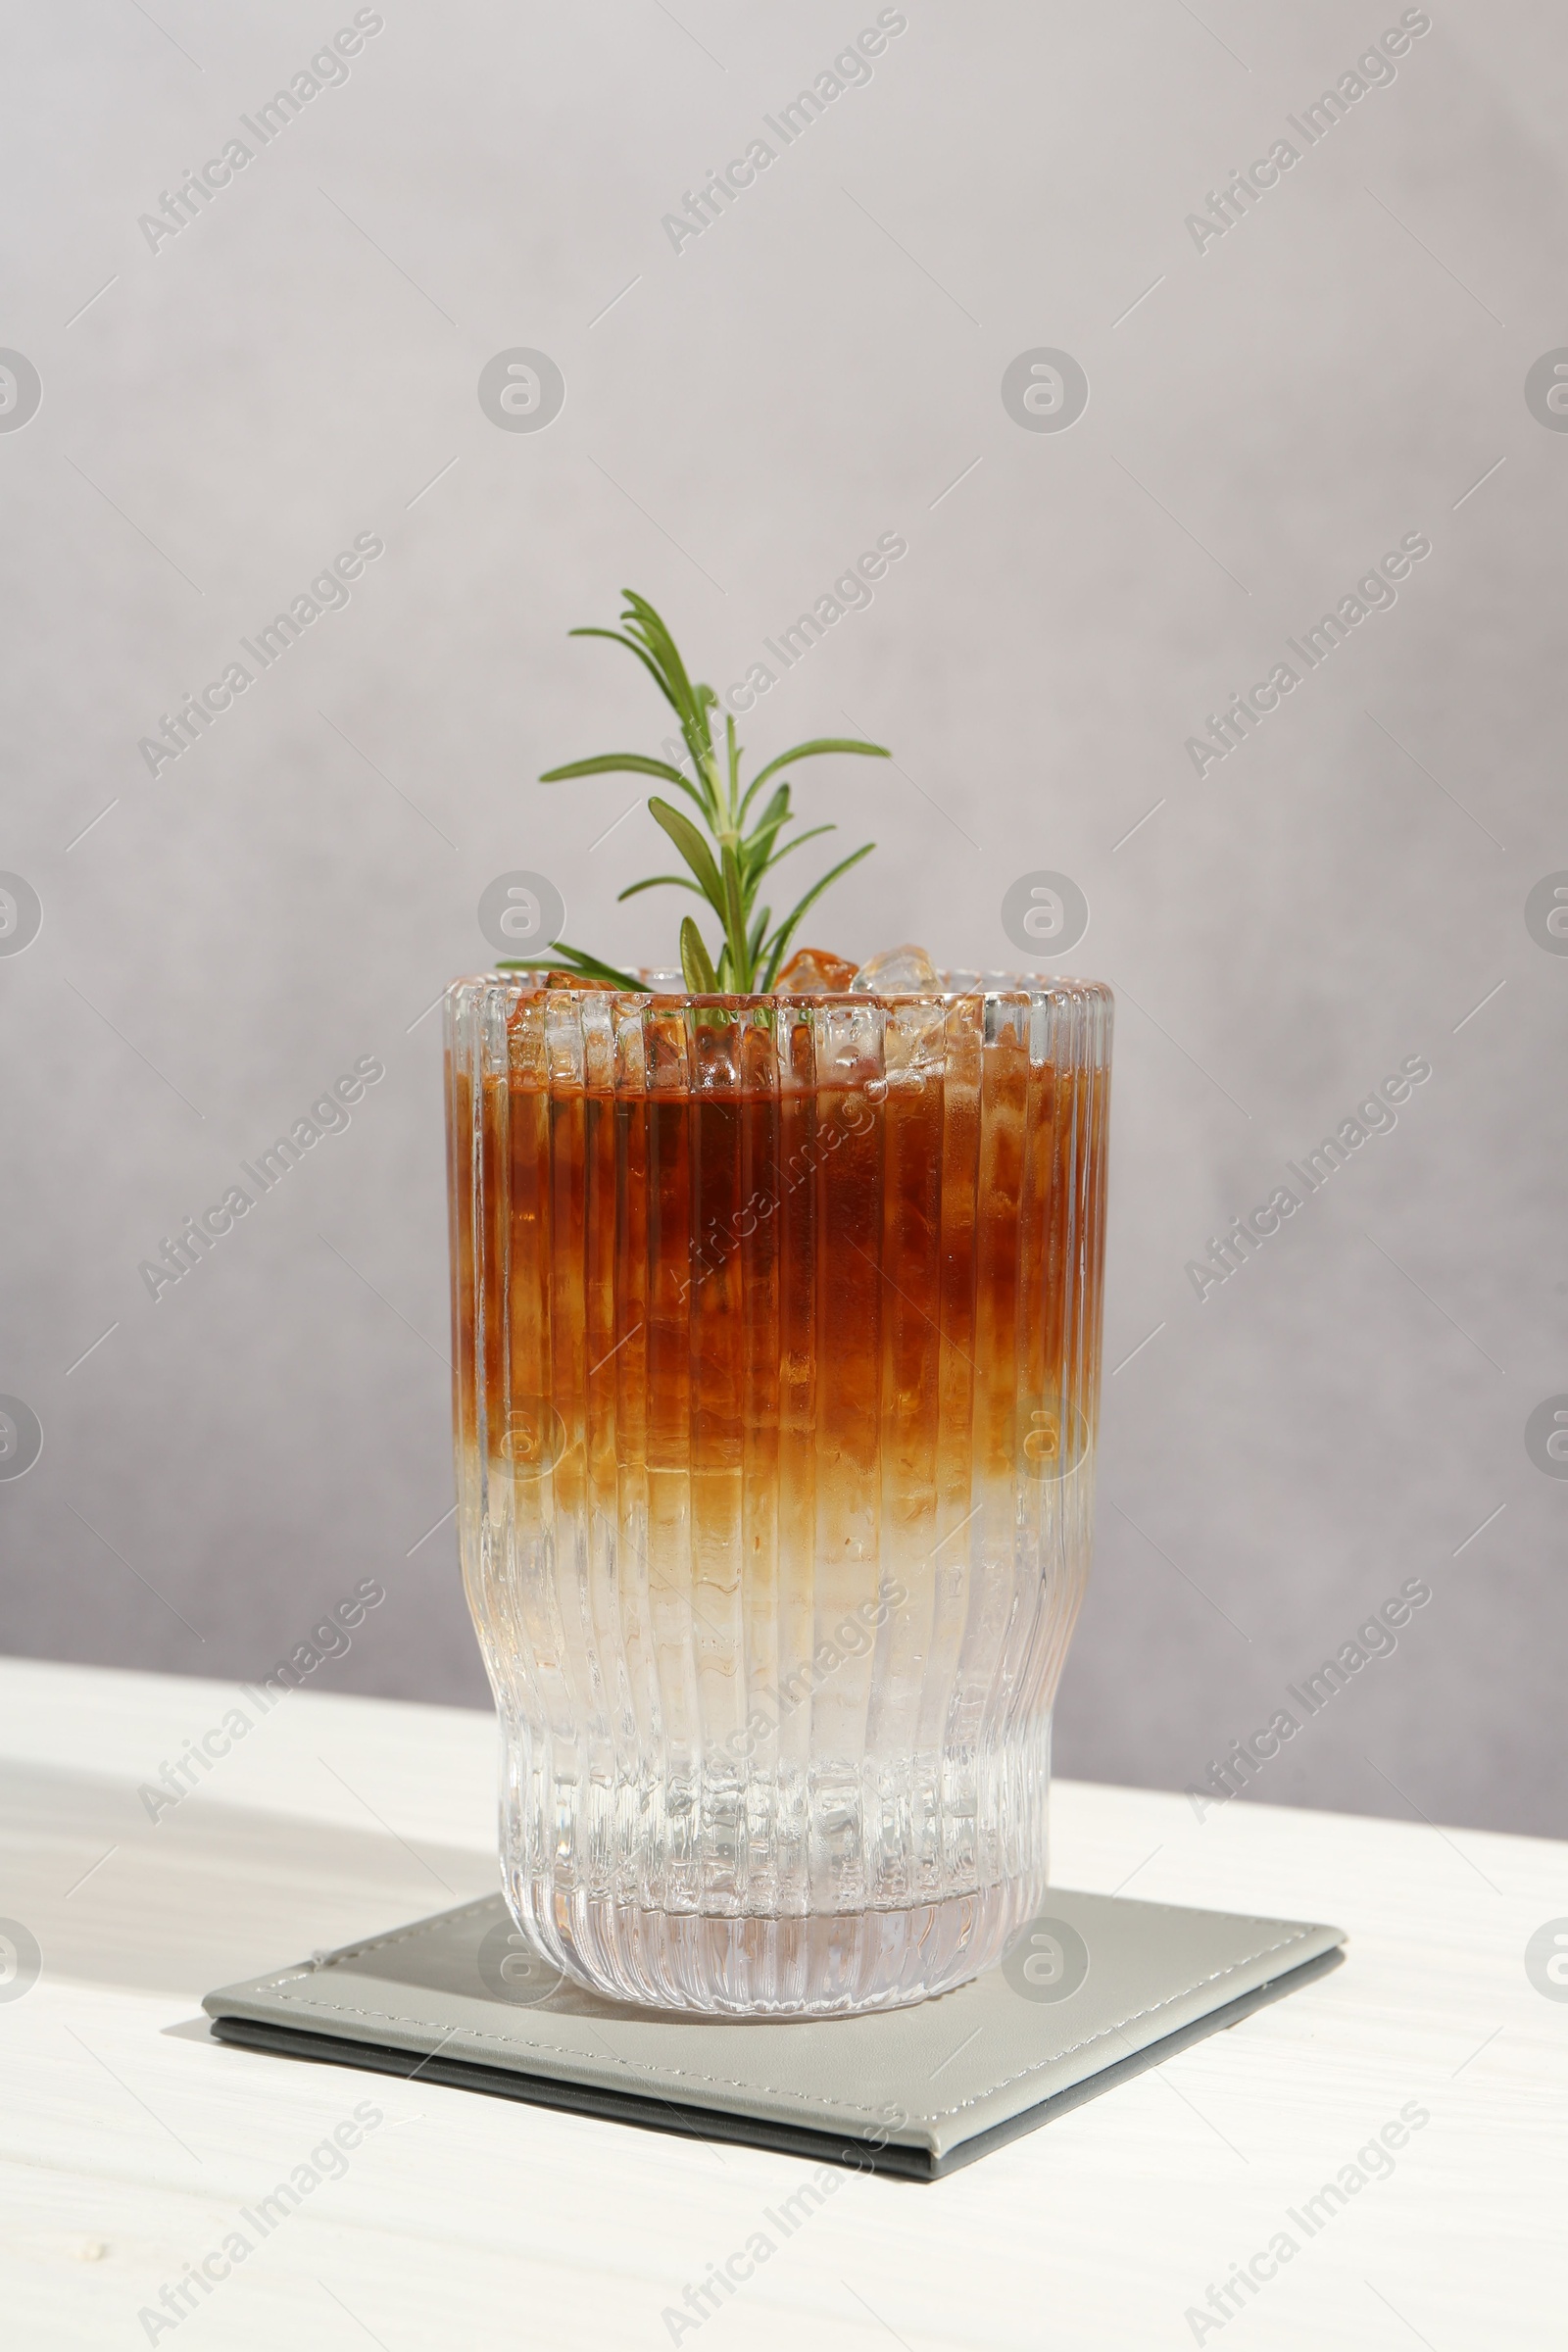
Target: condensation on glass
[776, 1331]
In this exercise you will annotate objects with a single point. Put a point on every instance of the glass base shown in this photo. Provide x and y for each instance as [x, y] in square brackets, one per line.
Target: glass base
[817, 1965]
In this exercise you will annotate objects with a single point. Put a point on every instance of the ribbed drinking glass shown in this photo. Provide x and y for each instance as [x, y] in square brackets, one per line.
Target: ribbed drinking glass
[777, 1329]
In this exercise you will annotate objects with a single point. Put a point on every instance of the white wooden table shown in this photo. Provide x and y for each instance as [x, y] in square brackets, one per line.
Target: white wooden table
[129, 2145]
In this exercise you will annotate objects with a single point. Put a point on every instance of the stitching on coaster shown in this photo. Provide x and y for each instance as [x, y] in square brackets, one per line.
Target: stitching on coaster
[576, 2058]
[642, 2066]
[1215, 1977]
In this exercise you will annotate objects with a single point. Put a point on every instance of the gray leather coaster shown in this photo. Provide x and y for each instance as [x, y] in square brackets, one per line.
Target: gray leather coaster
[1098, 1989]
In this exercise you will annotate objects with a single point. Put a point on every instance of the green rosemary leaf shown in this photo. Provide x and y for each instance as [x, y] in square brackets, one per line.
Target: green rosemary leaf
[564, 958]
[641, 620]
[694, 849]
[779, 807]
[632, 647]
[651, 626]
[800, 839]
[612, 763]
[663, 666]
[699, 976]
[756, 847]
[736, 901]
[658, 882]
[809, 751]
[630, 763]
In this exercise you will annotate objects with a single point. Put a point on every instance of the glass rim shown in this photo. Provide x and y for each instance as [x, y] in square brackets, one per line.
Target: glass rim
[966, 987]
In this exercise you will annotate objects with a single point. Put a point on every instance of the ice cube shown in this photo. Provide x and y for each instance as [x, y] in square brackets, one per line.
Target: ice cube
[814, 972]
[897, 972]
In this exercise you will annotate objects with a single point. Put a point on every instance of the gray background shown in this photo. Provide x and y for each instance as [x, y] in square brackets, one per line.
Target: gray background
[821, 366]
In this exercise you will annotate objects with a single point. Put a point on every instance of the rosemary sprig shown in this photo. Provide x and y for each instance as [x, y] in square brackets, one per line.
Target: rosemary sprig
[726, 868]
